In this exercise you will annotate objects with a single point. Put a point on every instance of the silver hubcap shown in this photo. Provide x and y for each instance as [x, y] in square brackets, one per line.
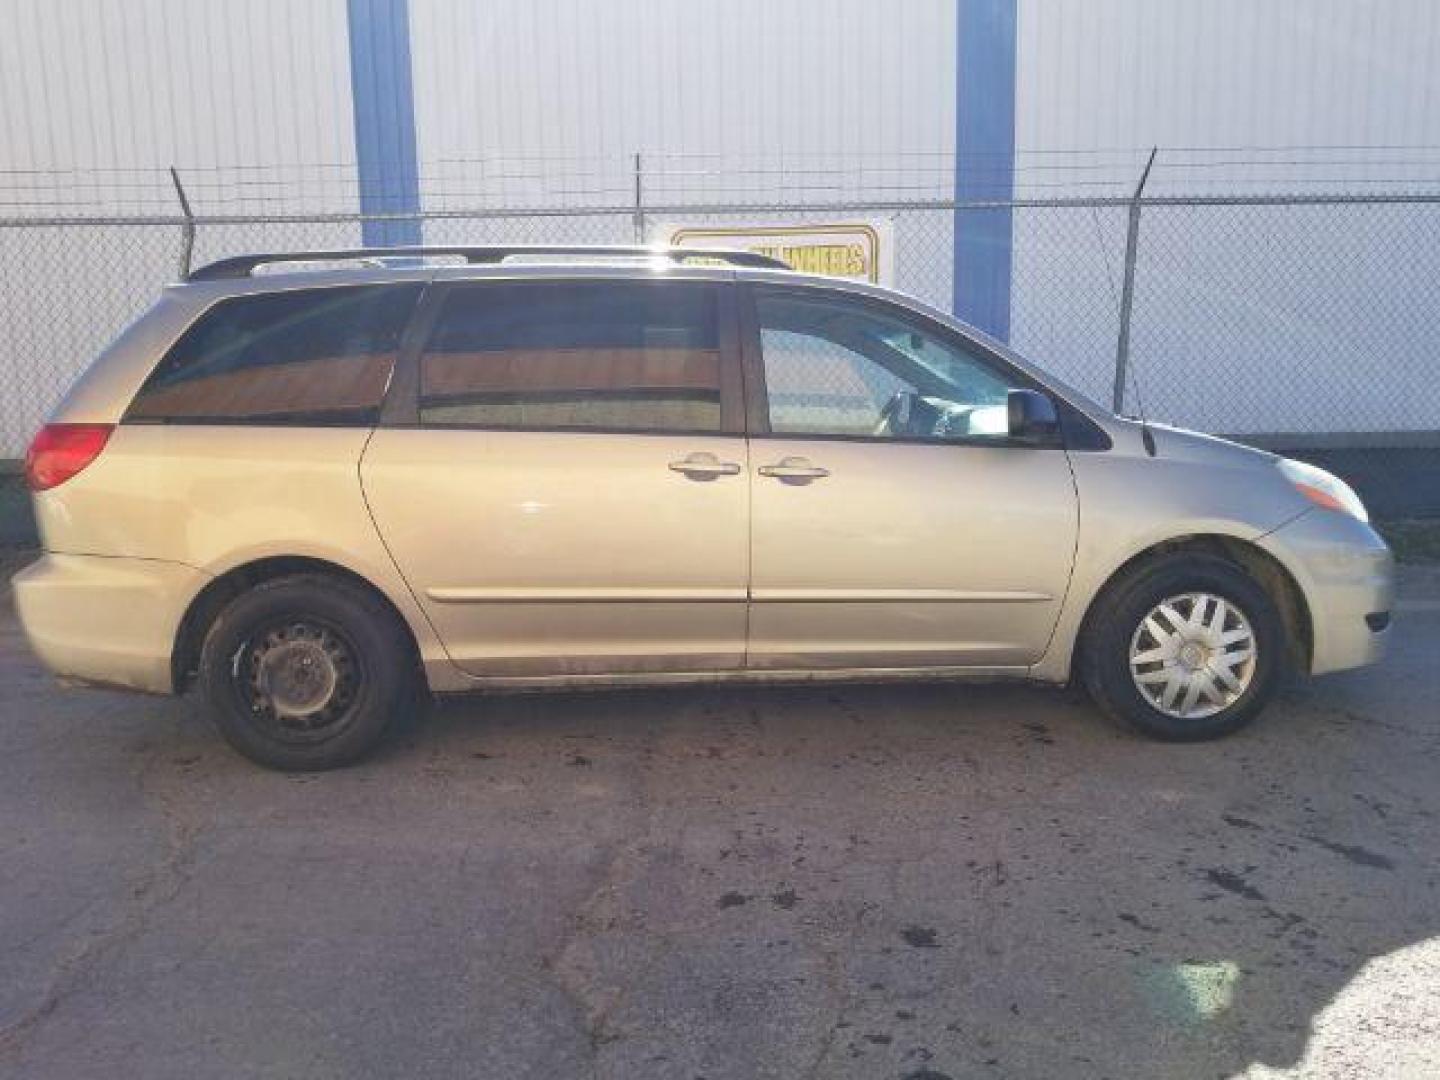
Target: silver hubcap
[1193, 655]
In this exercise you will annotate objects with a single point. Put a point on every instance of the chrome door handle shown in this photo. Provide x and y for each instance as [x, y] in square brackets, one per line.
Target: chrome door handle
[703, 465]
[794, 468]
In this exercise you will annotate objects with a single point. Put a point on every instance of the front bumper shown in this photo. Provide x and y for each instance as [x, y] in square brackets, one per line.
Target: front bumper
[110, 621]
[1348, 577]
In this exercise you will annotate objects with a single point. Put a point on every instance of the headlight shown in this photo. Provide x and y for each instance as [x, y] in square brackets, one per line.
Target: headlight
[1323, 489]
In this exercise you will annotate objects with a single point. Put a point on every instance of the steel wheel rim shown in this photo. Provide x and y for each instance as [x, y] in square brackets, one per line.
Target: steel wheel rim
[1193, 655]
[299, 679]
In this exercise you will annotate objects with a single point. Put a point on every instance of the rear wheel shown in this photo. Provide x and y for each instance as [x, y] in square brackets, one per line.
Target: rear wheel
[306, 672]
[1186, 649]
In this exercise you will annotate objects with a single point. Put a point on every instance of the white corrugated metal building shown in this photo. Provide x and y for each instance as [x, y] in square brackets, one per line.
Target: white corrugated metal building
[273, 106]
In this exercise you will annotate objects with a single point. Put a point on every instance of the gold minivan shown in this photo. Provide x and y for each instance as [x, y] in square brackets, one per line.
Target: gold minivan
[316, 484]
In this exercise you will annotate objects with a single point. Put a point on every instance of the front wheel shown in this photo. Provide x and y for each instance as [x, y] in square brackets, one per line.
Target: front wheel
[306, 672]
[1188, 649]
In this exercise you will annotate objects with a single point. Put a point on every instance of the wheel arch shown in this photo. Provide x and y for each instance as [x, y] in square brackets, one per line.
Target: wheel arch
[220, 591]
[1265, 568]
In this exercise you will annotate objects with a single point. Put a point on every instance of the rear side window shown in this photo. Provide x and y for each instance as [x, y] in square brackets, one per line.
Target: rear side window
[612, 355]
[311, 356]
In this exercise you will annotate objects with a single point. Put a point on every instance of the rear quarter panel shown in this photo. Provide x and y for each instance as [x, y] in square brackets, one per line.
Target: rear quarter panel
[217, 497]
[103, 393]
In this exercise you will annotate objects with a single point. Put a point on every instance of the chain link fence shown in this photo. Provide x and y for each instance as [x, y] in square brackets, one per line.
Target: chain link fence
[1303, 324]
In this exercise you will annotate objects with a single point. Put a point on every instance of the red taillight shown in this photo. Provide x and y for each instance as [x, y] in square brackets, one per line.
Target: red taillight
[62, 450]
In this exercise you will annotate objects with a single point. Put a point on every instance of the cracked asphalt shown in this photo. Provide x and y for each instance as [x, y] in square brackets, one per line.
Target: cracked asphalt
[919, 881]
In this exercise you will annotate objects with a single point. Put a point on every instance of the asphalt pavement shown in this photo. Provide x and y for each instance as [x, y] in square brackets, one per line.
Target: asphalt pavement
[915, 881]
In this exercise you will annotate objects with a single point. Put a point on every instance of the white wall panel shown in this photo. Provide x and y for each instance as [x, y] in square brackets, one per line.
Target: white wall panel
[221, 88]
[752, 85]
[1096, 75]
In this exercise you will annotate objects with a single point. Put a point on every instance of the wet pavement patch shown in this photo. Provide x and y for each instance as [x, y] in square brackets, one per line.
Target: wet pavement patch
[1234, 883]
[919, 937]
[1039, 732]
[1239, 822]
[1354, 853]
[1285, 921]
[1137, 922]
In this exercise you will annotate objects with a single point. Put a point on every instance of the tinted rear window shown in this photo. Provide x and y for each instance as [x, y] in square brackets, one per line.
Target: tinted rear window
[627, 356]
[321, 356]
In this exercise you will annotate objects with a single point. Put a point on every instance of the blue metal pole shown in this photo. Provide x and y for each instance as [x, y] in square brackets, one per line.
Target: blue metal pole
[384, 103]
[984, 161]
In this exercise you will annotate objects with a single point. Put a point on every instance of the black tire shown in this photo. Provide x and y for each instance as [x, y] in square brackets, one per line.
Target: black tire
[262, 639]
[1105, 647]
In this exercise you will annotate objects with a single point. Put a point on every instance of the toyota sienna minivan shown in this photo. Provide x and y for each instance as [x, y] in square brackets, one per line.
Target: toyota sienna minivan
[318, 485]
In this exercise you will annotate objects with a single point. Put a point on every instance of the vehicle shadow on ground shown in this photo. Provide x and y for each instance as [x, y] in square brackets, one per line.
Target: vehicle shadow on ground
[907, 881]
[931, 881]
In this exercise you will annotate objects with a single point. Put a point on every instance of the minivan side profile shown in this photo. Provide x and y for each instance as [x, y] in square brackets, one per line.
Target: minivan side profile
[315, 492]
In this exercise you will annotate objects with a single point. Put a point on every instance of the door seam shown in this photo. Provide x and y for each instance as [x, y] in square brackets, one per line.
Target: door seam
[384, 544]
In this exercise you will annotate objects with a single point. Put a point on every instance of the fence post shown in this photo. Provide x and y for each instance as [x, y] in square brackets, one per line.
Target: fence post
[187, 231]
[639, 218]
[1127, 291]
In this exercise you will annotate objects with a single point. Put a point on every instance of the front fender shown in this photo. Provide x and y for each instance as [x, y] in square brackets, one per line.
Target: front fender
[1131, 504]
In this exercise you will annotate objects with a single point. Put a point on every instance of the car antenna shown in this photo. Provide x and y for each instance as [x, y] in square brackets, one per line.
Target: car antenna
[1127, 303]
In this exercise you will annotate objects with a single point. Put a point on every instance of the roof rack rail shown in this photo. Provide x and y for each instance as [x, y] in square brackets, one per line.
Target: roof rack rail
[241, 266]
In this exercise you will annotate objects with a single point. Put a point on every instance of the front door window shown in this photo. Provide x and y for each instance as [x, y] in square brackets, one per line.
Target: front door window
[839, 368]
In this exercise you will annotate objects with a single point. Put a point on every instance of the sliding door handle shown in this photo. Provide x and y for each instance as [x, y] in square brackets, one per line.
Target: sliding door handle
[796, 469]
[703, 465]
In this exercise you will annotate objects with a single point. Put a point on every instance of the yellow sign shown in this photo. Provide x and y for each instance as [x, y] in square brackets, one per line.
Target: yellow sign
[861, 251]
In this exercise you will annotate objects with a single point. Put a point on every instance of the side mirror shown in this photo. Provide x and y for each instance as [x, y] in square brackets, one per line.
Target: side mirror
[1033, 418]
